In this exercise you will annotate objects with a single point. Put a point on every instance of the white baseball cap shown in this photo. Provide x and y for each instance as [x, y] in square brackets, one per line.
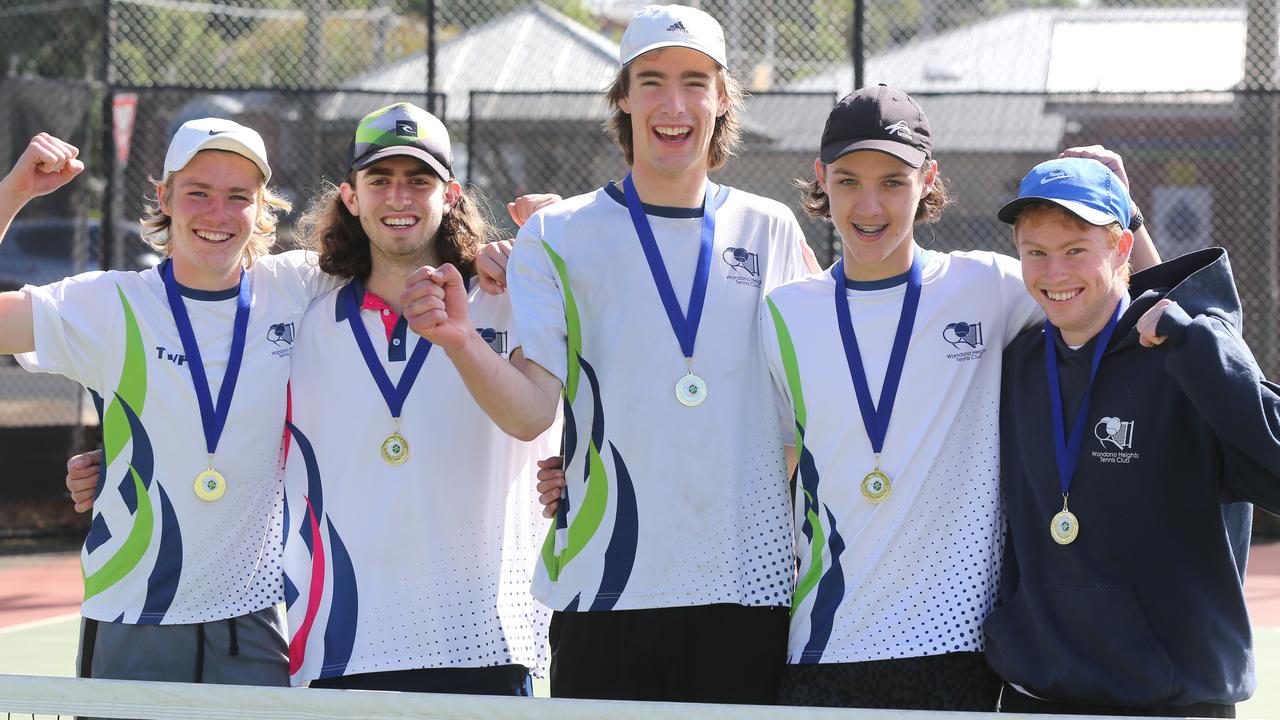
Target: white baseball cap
[659, 26]
[215, 134]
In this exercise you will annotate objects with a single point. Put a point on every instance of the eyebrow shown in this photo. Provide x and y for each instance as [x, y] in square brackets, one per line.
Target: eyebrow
[387, 172]
[207, 186]
[686, 75]
[849, 173]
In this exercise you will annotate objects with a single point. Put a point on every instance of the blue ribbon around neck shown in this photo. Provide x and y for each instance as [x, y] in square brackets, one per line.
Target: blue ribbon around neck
[685, 328]
[875, 416]
[396, 394]
[213, 419]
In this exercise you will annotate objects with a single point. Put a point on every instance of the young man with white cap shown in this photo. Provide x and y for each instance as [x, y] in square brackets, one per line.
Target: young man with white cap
[188, 364]
[1136, 429]
[412, 532]
[669, 562]
[889, 366]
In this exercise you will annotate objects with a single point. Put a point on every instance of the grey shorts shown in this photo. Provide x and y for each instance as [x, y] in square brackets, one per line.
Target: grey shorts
[247, 650]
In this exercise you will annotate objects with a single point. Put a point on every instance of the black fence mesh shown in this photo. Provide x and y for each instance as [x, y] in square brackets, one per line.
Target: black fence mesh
[1186, 91]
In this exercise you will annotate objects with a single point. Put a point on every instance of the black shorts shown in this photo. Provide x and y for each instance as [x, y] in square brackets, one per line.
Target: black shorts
[706, 653]
[952, 681]
[1012, 701]
[495, 680]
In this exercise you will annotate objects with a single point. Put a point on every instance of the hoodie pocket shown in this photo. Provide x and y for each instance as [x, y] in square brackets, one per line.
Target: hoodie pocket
[1079, 643]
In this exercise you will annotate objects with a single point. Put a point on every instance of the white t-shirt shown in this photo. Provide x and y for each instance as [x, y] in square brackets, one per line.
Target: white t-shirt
[427, 564]
[156, 553]
[668, 505]
[916, 574]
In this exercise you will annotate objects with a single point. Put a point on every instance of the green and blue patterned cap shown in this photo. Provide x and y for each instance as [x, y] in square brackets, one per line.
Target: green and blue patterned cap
[402, 129]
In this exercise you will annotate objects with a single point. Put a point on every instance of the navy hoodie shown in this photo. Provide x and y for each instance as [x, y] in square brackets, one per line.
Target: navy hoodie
[1146, 608]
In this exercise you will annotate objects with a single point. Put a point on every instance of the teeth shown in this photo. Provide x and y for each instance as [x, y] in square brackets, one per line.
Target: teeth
[672, 131]
[869, 229]
[1067, 295]
[212, 236]
[400, 222]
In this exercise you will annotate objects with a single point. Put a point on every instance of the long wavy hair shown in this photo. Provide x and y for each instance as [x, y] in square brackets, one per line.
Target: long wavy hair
[335, 235]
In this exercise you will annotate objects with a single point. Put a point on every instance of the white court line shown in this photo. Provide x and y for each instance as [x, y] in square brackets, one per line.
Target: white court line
[38, 623]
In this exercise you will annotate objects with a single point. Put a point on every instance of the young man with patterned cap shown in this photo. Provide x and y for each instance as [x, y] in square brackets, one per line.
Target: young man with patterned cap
[1136, 430]
[897, 516]
[411, 534]
[188, 364]
[669, 561]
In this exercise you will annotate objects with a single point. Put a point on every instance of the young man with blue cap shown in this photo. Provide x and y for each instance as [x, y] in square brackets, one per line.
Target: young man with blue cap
[1136, 429]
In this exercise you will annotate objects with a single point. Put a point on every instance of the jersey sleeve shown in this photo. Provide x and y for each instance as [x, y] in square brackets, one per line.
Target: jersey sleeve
[1020, 309]
[774, 336]
[540, 295]
[788, 244]
[73, 320]
[302, 267]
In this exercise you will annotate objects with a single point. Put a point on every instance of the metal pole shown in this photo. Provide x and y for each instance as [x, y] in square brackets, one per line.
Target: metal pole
[431, 58]
[106, 253]
[858, 42]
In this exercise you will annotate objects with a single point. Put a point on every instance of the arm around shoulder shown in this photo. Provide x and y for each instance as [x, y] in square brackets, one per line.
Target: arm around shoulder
[17, 327]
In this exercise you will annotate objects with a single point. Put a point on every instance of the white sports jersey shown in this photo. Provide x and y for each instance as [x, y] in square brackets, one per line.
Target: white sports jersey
[427, 564]
[667, 505]
[916, 574]
[156, 553]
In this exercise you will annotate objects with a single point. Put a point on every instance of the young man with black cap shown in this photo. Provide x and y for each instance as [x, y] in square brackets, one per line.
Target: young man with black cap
[411, 534]
[188, 364]
[669, 561]
[898, 523]
[1136, 430]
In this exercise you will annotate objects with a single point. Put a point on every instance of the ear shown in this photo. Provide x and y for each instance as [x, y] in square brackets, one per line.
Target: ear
[722, 106]
[1124, 247]
[162, 198]
[624, 104]
[930, 176]
[349, 199]
[452, 194]
[820, 172]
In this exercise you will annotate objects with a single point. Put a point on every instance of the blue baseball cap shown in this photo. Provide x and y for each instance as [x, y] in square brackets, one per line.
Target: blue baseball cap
[1085, 187]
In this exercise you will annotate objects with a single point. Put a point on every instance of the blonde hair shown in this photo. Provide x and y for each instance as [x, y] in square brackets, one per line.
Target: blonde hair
[725, 137]
[155, 223]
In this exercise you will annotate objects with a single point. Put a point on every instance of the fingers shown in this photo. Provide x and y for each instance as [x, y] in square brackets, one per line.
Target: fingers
[82, 479]
[1107, 157]
[1146, 325]
[491, 266]
[523, 207]
[52, 155]
[555, 461]
[549, 510]
[551, 484]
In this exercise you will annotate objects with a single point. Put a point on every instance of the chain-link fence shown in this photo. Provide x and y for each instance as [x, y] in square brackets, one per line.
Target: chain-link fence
[1185, 90]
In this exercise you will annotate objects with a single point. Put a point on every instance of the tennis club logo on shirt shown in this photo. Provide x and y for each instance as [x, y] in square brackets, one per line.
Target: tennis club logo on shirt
[744, 266]
[176, 358]
[966, 338]
[281, 335]
[497, 339]
[1115, 436]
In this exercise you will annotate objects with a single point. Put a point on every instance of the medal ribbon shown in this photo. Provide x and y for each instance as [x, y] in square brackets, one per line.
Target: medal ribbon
[212, 419]
[394, 395]
[686, 329]
[1067, 450]
[875, 417]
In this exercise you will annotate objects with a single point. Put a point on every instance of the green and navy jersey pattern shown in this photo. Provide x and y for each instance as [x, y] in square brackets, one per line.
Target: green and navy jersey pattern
[915, 575]
[156, 553]
[666, 505]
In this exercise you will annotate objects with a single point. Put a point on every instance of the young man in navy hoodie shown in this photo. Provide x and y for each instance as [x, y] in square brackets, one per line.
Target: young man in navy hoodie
[1136, 429]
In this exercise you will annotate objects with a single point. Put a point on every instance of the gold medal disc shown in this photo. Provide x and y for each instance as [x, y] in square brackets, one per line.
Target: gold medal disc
[876, 487]
[210, 485]
[395, 449]
[1064, 527]
[691, 390]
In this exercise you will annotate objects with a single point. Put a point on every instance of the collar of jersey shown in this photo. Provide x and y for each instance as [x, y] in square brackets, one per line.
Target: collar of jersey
[884, 283]
[721, 192]
[207, 295]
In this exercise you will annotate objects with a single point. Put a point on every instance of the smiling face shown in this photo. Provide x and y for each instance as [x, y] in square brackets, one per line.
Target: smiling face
[673, 98]
[1077, 272]
[873, 201]
[212, 203]
[400, 202]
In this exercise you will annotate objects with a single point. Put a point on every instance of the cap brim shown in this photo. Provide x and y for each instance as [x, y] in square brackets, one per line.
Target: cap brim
[407, 150]
[914, 157]
[674, 43]
[1009, 213]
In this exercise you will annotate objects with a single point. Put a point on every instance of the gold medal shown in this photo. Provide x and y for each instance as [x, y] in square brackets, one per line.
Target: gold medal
[210, 485]
[1065, 527]
[395, 449]
[876, 485]
[691, 390]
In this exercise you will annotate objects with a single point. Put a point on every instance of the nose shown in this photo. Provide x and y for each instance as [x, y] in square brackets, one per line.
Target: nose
[673, 101]
[866, 204]
[399, 195]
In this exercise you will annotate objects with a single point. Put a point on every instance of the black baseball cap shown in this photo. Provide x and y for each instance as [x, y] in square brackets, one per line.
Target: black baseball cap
[877, 118]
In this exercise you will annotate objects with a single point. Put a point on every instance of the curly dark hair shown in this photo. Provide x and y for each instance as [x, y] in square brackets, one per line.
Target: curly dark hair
[333, 233]
[816, 204]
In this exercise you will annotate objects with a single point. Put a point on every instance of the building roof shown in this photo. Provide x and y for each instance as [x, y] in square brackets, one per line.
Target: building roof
[531, 48]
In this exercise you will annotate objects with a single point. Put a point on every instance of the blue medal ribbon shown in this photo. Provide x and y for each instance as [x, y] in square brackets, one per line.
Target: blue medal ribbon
[396, 394]
[686, 329]
[1067, 450]
[875, 417]
[213, 419]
